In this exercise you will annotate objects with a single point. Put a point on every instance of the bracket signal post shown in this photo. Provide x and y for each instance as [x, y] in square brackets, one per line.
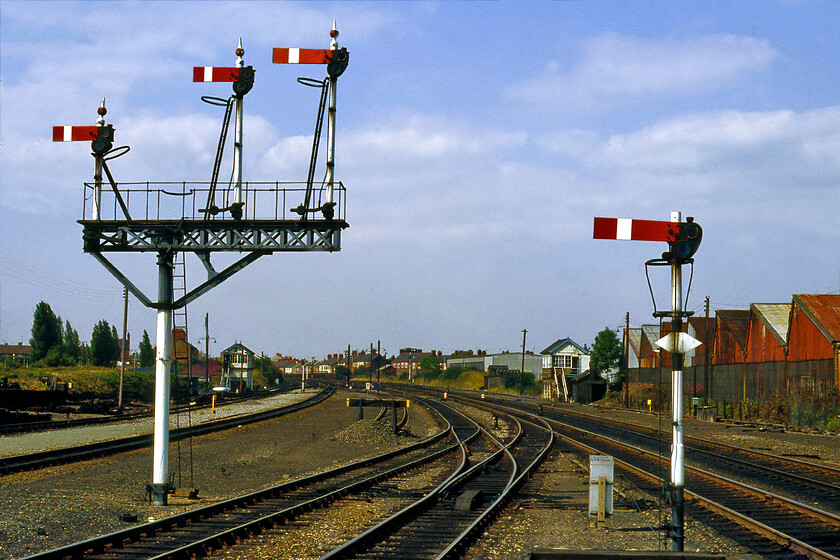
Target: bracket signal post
[165, 229]
[683, 239]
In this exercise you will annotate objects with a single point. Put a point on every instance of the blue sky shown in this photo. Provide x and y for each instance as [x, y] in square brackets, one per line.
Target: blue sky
[477, 140]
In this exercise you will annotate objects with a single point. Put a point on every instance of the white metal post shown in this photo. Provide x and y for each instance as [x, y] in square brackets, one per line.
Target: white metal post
[331, 122]
[96, 203]
[677, 450]
[160, 468]
[237, 134]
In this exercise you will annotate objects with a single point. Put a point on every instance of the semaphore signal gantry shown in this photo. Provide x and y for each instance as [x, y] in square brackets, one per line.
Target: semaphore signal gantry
[250, 218]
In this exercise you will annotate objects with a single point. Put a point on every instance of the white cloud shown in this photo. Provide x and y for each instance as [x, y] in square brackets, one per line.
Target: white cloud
[414, 139]
[614, 69]
[773, 143]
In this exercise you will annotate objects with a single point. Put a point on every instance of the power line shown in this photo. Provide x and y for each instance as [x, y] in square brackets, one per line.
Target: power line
[16, 269]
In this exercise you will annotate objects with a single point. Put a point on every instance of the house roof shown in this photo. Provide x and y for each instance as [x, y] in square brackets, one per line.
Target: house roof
[415, 357]
[561, 343]
[287, 363]
[775, 317]
[824, 312]
[237, 346]
[18, 349]
[588, 376]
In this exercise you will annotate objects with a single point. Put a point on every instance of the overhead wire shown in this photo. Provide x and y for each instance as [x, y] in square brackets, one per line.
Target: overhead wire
[15, 268]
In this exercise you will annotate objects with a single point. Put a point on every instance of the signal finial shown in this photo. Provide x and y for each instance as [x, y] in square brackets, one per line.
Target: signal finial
[239, 52]
[334, 35]
[102, 111]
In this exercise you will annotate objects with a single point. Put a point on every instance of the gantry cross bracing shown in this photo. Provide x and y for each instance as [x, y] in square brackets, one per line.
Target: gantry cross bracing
[216, 235]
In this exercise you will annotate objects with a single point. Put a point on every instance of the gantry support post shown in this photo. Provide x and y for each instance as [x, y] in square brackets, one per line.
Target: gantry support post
[677, 450]
[160, 473]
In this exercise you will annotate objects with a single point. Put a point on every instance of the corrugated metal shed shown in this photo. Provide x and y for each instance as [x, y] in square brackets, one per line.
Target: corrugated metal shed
[768, 328]
[648, 351]
[814, 327]
[702, 329]
[635, 337]
[824, 311]
[731, 328]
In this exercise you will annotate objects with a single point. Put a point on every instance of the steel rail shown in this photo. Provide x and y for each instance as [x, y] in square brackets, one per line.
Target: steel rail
[470, 534]
[700, 442]
[772, 463]
[43, 459]
[745, 521]
[120, 539]
[362, 541]
[399, 521]
[45, 425]
[775, 535]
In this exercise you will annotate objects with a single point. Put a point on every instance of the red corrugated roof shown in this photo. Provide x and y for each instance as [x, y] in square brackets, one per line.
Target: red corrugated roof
[824, 312]
[737, 321]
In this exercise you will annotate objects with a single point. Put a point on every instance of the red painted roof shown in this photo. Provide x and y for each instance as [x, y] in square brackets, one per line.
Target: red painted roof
[737, 321]
[824, 312]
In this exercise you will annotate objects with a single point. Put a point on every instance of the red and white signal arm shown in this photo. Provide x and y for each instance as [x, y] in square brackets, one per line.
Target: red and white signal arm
[635, 230]
[301, 56]
[215, 74]
[74, 133]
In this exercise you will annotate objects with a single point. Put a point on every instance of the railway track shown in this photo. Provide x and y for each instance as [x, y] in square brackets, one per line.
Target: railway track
[773, 525]
[446, 521]
[793, 478]
[204, 530]
[43, 426]
[43, 459]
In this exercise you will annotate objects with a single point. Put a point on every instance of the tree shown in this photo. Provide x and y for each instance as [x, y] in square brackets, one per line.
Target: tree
[147, 353]
[46, 331]
[72, 345]
[606, 351]
[103, 345]
[431, 366]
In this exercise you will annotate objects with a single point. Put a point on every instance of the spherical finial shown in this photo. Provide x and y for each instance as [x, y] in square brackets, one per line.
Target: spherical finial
[334, 35]
[101, 111]
[239, 52]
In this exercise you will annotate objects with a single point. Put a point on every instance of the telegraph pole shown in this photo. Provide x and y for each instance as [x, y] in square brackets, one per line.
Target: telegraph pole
[627, 360]
[122, 350]
[707, 356]
[522, 369]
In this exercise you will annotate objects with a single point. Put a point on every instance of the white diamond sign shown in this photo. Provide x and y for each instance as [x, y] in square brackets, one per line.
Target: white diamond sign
[678, 343]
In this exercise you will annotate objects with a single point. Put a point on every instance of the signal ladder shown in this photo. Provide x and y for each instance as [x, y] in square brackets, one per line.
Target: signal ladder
[182, 353]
